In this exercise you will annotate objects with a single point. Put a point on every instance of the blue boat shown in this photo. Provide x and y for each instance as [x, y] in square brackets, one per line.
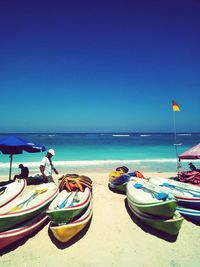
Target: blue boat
[187, 195]
[191, 214]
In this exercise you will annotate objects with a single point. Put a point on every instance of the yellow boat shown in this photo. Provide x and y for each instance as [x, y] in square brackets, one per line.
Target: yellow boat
[67, 231]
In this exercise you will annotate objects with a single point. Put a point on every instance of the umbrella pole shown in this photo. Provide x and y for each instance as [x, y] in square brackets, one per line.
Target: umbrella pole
[11, 159]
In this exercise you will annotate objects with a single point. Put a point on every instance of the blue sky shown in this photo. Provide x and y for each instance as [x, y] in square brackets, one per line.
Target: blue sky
[90, 66]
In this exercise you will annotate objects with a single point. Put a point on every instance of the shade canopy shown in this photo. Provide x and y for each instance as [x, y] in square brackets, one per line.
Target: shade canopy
[13, 145]
[192, 153]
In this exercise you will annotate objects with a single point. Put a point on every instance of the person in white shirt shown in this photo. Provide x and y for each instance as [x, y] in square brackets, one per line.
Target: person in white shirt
[47, 168]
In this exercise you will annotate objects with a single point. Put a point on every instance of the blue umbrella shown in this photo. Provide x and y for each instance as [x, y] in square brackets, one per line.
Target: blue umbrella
[13, 145]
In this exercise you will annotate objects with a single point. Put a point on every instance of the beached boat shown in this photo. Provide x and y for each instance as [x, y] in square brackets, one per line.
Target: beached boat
[68, 205]
[23, 230]
[187, 195]
[10, 191]
[67, 231]
[119, 183]
[150, 199]
[190, 214]
[170, 226]
[27, 205]
[118, 179]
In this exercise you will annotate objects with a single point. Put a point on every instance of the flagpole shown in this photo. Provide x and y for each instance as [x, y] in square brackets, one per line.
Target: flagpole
[175, 108]
[175, 135]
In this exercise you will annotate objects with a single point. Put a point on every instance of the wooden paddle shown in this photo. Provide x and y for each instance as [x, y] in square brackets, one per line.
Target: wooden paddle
[157, 195]
[20, 206]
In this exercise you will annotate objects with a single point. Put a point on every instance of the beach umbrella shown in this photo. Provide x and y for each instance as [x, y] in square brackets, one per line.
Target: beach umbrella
[13, 145]
[192, 153]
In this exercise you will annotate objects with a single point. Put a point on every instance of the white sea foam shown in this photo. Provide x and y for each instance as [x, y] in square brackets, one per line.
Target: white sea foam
[49, 135]
[178, 144]
[122, 135]
[145, 135]
[184, 134]
[91, 162]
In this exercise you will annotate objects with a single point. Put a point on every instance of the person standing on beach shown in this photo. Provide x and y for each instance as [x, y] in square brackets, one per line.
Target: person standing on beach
[46, 167]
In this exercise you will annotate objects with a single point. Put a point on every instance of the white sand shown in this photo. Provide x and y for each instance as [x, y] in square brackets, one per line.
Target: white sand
[112, 239]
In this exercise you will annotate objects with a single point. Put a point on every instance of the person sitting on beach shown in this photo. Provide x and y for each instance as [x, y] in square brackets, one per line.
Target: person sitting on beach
[192, 167]
[24, 173]
[46, 167]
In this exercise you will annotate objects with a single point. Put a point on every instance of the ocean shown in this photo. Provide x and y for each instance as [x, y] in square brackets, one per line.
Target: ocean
[103, 152]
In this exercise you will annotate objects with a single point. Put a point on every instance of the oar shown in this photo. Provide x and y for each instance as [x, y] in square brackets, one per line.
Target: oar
[75, 199]
[159, 196]
[20, 206]
[2, 189]
[63, 204]
[182, 189]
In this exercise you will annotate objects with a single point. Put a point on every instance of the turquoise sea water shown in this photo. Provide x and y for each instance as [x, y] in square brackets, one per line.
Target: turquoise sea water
[105, 151]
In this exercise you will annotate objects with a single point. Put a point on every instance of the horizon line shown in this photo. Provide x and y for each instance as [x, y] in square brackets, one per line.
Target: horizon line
[114, 132]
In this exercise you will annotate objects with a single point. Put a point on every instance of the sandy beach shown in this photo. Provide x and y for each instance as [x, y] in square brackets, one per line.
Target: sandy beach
[113, 238]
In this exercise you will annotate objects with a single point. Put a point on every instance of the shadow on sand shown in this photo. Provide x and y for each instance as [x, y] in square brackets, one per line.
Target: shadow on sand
[72, 241]
[148, 229]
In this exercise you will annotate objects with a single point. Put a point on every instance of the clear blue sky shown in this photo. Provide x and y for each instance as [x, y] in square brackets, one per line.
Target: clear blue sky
[90, 66]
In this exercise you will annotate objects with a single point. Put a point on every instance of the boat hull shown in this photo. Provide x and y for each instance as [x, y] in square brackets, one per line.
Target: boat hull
[188, 202]
[24, 230]
[118, 181]
[121, 187]
[190, 214]
[72, 209]
[143, 200]
[9, 218]
[65, 232]
[169, 226]
[155, 209]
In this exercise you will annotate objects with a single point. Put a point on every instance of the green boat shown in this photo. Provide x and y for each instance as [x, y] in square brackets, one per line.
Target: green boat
[118, 181]
[170, 226]
[31, 203]
[150, 199]
[69, 205]
[121, 188]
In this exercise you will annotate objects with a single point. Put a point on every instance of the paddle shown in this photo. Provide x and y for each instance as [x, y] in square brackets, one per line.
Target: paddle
[181, 189]
[20, 206]
[63, 204]
[2, 189]
[159, 196]
[75, 199]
